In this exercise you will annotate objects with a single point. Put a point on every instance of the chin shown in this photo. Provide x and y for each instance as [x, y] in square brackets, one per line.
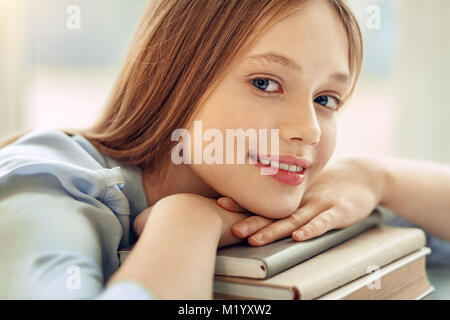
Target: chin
[274, 209]
[279, 213]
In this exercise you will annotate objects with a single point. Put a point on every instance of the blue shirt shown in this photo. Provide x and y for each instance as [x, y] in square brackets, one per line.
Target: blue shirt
[65, 211]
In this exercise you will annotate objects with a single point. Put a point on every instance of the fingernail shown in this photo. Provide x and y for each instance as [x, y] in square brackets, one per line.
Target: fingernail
[222, 199]
[243, 229]
[300, 234]
[257, 237]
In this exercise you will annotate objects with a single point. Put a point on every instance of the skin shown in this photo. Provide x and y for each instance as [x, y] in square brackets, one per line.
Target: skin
[194, 206]
[349, 189]
[345, 193]
[307, 129]
[416, 190]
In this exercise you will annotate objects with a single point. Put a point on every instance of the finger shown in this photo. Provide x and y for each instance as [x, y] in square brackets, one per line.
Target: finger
[229, 204]
[283, 228]
[321, 224]
[249, 226]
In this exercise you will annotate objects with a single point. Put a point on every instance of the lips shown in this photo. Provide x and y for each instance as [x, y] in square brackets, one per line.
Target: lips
[283, 162]
[291, 171]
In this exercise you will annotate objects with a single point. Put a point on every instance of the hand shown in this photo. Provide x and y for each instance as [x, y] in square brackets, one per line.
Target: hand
[227, 210]
[231, 213]
[344, 194]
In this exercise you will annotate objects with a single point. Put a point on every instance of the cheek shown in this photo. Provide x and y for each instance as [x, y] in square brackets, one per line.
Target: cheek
[328, 141]
[327, 145]
[325, 148]
[231, 106]
[223, 110]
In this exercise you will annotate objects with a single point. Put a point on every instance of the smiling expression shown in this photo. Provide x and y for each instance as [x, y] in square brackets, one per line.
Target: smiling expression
[293, 79]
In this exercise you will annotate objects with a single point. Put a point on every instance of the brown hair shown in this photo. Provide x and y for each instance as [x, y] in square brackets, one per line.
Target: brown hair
[181, 50]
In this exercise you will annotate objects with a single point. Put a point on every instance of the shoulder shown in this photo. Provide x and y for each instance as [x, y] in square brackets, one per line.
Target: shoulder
[57, 170]
[71, 166]
[48, 145]
[51, 151]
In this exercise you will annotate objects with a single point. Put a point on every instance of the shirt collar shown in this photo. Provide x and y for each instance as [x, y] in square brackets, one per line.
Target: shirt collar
[133, 189]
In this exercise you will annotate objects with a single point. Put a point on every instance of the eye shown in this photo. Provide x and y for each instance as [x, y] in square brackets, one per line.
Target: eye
[328, 101]
[267, 86]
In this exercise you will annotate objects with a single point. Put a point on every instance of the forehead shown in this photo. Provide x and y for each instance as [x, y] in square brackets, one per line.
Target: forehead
[314, 37]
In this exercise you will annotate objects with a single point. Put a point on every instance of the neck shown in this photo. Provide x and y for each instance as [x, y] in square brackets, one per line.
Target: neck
[179, 179]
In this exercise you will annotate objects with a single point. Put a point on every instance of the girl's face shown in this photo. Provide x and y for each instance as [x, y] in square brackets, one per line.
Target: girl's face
[291, 80]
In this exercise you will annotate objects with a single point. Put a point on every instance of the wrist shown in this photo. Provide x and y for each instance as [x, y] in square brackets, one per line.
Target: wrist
[380, 177]
[387, 177]
[373, 173]
[188, 209]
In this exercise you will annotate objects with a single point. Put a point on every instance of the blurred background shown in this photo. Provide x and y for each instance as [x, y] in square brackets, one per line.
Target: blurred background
[60, 58]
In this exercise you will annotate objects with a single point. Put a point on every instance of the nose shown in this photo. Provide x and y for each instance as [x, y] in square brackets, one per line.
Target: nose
[300, 124]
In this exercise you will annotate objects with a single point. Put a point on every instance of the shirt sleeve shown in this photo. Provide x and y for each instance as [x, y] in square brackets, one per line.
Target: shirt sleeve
[440, 249]
[126, 290]
[54, 246]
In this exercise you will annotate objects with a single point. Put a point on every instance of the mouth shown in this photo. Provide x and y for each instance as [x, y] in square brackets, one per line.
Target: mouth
[287, 169]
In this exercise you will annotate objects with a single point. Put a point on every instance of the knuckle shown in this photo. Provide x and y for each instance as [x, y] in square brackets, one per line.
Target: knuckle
[309, 230]
[254, 220]
[345, 206]
[321, 222]
[295, 219]
[342, 215]
[256, 223]
[327, 219]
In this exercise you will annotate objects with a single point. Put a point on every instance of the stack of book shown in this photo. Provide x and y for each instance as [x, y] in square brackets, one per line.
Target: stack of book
[366, 261]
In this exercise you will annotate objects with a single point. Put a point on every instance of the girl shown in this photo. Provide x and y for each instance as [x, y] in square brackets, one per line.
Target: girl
[69, 200]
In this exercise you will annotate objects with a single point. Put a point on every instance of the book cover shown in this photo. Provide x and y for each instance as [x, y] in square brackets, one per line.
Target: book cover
[243, 260]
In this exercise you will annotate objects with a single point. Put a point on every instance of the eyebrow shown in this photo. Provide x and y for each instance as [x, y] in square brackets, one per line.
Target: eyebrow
[279, 59]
